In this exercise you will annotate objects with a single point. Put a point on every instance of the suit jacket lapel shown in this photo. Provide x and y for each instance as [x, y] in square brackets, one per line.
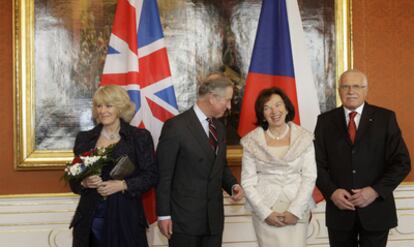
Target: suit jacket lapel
[364, 122]
[340, 122]
[220, 146]
[199, 134]
[220, 135]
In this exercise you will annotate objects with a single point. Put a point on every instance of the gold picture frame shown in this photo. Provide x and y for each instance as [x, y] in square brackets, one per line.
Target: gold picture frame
[28, 157]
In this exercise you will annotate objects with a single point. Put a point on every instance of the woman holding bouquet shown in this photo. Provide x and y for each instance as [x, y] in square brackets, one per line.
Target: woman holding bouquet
[110, 211]
[278, 172]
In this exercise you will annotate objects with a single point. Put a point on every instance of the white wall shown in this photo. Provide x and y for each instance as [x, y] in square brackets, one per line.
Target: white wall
[42, 220]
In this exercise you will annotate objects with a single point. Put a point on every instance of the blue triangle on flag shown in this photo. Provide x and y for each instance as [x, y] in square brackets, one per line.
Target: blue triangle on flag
[150, 25]
[111, 50]
[272, 52]
[168, 95]
[135, 96]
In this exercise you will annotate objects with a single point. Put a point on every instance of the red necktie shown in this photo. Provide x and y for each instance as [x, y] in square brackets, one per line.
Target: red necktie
[212, 136]
[352, 126]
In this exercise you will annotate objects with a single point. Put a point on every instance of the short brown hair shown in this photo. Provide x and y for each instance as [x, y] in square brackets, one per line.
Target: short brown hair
[118, 97]
[261, 100]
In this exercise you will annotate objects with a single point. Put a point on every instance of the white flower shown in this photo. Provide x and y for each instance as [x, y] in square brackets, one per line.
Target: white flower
[75, 169]
[89, 160]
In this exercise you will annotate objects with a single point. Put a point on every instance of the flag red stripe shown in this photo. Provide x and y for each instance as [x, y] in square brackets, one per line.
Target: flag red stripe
[124, 25]
[122, 79]
[153, 68]
[159, 112]
[255, 83]
[148, 199]
[317, 195]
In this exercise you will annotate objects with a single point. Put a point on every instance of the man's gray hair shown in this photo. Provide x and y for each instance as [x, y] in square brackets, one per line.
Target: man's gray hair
[215, 83]
[364, 76]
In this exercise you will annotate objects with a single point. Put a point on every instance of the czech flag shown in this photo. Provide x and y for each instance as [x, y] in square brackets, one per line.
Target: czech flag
[279, 59]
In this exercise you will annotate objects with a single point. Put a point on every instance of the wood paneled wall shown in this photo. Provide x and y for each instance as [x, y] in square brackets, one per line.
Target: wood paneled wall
[383, 35]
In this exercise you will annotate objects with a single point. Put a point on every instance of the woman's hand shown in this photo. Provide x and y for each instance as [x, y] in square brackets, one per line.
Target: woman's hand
[275, 219]
[91, 182]
[110, 187]
[289, 218]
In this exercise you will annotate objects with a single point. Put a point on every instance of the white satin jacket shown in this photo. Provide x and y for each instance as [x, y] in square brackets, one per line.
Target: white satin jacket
[264, 176]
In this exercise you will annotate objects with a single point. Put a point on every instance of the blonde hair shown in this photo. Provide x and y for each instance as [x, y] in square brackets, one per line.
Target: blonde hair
[116, 96]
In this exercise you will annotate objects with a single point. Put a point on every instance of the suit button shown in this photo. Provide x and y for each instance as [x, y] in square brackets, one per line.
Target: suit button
[353, 171]
[353, 151]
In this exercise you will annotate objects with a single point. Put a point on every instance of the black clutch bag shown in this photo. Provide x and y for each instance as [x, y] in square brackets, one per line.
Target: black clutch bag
[122, 169]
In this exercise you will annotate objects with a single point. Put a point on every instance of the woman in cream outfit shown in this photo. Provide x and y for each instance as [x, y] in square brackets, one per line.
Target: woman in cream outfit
[278, 172]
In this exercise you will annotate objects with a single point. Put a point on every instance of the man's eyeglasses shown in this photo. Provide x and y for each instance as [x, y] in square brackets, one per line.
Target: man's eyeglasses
[353, 87]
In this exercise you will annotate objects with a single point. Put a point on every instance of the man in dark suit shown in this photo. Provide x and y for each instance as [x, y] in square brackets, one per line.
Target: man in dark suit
[361, 158]
[193, 169]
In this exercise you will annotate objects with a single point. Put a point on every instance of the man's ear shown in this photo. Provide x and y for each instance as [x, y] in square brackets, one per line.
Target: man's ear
[211, 98]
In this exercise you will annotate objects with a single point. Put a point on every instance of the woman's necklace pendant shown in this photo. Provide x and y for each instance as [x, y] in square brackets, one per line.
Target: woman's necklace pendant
[110, 136]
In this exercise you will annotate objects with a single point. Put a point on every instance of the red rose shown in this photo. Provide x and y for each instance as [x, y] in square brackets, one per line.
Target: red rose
[76, 160]
[88, 153]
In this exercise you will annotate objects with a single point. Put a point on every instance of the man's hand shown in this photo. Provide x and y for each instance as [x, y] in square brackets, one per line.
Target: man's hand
[275, 219]
[363, 197]
[342, 199]
[237, 192]
[165, 227]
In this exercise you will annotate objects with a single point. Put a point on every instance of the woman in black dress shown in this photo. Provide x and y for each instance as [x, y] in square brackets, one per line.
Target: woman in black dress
[110, 212]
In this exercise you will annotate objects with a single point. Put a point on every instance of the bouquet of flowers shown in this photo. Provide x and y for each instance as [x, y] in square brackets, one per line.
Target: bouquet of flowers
[88, 164]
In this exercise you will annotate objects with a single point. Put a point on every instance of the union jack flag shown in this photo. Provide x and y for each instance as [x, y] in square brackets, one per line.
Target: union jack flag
[137, 60]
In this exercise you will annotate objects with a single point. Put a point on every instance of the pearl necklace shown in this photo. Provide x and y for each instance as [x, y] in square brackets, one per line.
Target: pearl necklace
[111, 136]
[279, 137]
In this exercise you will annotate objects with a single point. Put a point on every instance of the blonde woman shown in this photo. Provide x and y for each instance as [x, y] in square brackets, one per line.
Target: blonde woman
[117, 220]
[278, 172]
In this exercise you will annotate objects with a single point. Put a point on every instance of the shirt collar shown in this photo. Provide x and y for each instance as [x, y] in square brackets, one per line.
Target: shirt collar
[358, 110]
[200, 114]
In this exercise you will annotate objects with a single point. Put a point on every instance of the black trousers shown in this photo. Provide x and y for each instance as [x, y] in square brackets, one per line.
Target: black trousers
[357, 237]
[184, 240]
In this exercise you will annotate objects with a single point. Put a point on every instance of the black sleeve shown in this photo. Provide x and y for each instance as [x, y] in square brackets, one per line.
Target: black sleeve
[228, 178]
[75, 185]
[147, 172]
[397, 159]
[323, 181]
[167, 153]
